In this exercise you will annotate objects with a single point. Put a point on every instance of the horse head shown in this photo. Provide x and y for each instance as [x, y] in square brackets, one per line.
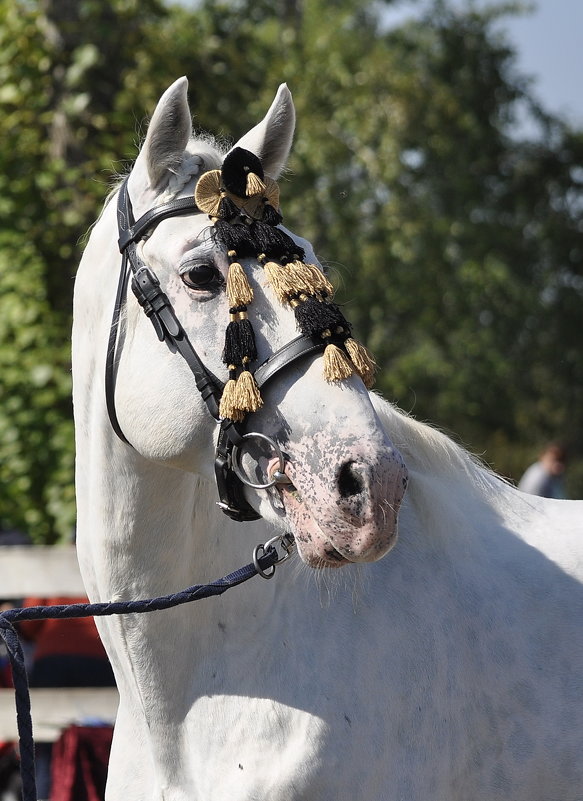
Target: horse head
[225, 268]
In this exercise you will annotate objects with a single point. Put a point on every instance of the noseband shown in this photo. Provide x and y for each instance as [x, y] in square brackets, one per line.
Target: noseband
[157, 306]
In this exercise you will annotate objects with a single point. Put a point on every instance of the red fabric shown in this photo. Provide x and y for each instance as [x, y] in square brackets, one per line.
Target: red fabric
[79, 763]
[5, 673]
[5, 681]
[76, 636]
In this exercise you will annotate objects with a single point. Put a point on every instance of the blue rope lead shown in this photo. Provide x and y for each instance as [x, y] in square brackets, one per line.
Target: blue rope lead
[16, 655]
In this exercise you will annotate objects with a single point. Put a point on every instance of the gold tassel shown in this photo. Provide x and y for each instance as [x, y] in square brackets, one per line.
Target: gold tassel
[247, 397]
[313, 279]
[207, 192]
[254, 186]
[363, 361]
[281, 280]
[336, 364]
[239, 290]
[228, 407]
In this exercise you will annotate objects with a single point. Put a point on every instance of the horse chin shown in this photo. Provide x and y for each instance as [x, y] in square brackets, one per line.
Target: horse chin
[315, 549]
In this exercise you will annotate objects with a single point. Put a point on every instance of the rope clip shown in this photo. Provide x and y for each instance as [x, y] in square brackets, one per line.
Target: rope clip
[285, 541]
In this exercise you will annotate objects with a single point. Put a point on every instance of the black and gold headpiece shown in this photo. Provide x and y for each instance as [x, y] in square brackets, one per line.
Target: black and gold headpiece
[243, 204]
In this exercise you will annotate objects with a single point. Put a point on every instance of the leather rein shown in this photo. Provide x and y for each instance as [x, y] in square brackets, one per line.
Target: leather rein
[158, 308]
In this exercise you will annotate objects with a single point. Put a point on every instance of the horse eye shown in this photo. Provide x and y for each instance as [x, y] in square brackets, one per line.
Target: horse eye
[203, 276]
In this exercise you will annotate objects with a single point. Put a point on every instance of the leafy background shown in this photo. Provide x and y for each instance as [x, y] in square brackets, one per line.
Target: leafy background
[454, 237]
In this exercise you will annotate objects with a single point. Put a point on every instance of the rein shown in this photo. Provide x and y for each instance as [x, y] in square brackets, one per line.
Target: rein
[265, 560]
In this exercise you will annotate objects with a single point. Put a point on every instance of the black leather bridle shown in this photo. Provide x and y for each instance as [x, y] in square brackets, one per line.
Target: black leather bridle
[157, 306]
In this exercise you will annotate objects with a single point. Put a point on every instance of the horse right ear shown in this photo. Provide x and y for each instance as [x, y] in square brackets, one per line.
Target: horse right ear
[168, 133]
[271, 139]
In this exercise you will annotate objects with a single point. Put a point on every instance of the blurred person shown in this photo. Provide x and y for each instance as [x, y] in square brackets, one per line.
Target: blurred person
[546, 476]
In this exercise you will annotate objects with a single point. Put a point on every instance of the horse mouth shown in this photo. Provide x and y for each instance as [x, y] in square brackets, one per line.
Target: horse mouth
[315, 549]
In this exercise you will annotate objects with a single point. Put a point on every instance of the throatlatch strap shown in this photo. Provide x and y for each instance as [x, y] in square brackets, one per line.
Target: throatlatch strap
[112, 352]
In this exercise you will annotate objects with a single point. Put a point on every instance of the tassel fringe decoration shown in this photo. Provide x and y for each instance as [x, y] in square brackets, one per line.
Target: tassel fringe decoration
[336, 364]
[313, 279]
[239, 338]
[239, 290]
[280, 280]
[247, 395]
[314, 315]
[255, 185]
[362, 360]
[295, 278]
[228, 407]
[243, 205]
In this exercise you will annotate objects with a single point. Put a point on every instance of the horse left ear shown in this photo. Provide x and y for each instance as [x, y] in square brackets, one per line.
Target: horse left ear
[272, 138]
[168, 133]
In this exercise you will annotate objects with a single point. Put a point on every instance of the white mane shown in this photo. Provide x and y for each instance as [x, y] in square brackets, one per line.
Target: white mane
[430, 451]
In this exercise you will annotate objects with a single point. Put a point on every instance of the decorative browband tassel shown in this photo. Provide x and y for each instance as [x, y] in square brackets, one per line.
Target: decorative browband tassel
[254, 185]
[243, 205]
[312, 278]
[362, 360]
[239, 290]
[247, 395]
[228, 406]
[293, 278]
[240, 395]
[337, 366]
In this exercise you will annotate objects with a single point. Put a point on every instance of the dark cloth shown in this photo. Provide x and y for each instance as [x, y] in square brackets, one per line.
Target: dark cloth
[68, 670]
[79, 764]
[64, 671]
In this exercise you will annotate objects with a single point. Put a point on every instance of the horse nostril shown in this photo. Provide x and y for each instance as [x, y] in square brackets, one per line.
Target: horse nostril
[350, 480]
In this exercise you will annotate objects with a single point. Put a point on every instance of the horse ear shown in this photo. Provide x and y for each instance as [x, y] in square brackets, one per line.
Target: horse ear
[271, 139]
[168, 133]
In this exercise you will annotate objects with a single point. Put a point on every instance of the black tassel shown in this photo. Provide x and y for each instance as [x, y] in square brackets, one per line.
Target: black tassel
[239, 341]
[271, 216]
[227, 209]
[314, 316]
[236, 166]
[275, 243]
[235, 237]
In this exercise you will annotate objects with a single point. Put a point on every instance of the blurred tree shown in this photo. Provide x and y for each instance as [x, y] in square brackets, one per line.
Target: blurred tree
[36, 449]
[62, 68]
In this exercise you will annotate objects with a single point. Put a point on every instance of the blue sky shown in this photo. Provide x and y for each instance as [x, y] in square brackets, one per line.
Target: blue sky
[550, 45]
[549, 42]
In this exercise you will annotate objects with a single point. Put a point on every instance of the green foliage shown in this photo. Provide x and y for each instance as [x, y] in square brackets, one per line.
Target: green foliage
[455, 240]
[36, 437]
[62, 68]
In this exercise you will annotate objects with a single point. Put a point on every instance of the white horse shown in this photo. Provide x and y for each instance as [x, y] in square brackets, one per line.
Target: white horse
[451, 670]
